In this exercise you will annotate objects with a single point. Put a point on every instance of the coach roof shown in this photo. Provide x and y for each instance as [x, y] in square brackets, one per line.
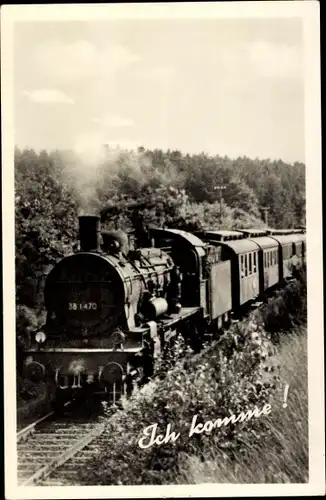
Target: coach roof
[286, 239]
[241, 246]
[265, 242]
[220, 235]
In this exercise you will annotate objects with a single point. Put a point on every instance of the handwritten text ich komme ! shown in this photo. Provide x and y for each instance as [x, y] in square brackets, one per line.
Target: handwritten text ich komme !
[151, 437]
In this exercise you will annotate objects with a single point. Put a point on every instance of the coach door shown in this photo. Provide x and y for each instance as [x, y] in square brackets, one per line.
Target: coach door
[249, 283]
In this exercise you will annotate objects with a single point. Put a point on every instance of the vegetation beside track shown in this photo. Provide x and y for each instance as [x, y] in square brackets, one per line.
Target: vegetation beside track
[246, 368]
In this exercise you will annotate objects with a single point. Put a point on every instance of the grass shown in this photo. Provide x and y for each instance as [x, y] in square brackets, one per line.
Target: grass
[282, 455]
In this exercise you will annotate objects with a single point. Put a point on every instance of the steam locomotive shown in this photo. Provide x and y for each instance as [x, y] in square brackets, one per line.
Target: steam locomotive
[116, 303]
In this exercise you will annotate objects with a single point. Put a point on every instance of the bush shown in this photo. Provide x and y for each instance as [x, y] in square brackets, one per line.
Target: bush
[288, 309]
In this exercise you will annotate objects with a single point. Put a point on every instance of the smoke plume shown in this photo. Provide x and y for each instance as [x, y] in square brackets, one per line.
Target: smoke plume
[87, 167]
[102, 176]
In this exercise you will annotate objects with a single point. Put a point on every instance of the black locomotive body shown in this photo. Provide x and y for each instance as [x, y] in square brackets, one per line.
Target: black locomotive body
[112, 309]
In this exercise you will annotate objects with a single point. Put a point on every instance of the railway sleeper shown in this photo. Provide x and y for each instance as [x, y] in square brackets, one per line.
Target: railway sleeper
[40, 447]
[61, 434]
[40, 454]
[54, 482]
[27, 469]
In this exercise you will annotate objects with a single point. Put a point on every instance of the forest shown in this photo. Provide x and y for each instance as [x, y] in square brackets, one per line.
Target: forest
[178, 190]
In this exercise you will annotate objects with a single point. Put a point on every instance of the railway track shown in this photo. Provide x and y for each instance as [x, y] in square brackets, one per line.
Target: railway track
[50, 443]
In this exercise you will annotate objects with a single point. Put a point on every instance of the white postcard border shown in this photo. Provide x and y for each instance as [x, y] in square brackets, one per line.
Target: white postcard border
[309, 12]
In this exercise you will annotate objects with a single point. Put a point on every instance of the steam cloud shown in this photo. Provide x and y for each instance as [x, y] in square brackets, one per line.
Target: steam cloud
[87, 167]
[100, 175]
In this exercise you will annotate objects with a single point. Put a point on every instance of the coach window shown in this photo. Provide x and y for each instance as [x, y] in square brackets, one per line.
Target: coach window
[246, 265]
[255, 263]
[250, 263]
[242, 266]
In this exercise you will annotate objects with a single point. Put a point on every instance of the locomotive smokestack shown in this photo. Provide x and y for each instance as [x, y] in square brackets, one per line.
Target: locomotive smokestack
[90, 233]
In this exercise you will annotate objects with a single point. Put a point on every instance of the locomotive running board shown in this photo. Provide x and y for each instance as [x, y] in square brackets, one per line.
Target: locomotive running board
[256, 304]
[174, 318]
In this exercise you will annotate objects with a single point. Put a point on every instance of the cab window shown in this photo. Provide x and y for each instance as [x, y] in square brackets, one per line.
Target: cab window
[255, 262]
[246, 265]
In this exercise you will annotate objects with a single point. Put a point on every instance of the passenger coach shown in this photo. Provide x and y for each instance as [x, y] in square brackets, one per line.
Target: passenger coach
[292, 248]
[243, 254]
[268, 258]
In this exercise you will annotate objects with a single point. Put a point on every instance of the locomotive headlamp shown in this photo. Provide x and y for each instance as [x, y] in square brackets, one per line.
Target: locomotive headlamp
[40, 337]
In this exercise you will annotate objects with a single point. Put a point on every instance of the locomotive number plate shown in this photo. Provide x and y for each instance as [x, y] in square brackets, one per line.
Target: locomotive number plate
[82, 306]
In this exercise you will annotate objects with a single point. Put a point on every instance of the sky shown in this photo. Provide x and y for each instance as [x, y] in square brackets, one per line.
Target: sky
[230, 87]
